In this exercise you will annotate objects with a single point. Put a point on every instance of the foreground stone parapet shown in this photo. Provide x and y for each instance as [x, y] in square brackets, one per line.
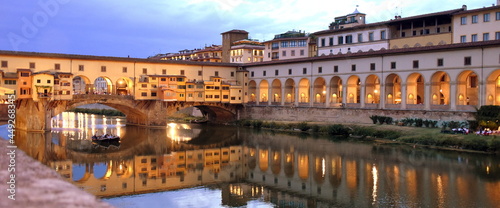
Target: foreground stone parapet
[32, 184]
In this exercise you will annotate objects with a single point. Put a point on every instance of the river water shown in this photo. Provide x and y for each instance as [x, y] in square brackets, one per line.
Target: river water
[193, 165]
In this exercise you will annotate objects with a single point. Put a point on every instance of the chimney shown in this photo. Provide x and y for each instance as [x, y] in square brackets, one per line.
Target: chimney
[464, 7]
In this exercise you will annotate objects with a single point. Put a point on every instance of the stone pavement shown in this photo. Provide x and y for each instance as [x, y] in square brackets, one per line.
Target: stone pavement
[36, 185]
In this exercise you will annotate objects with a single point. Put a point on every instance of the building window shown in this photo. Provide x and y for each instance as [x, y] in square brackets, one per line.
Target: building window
[81, 68]
[348, 39]
[304, 71]
[216, 73]
[393, 65]
[382, 35]
[463, 20]
[370, 37]
[232, 74]
[10, 82]
[264, 73]
[276, 72]
[251, 74]
[153, 94]
[38, 81]
[284, 44]
[331, 41]
[474, 19]
[486, 36]
[5, 64]
[144, 94]
[340, 40]
[320, 69]
[124, 69]
[289, 71]
[103, 68]
[486, 17]
[415, 64]
[473, 38]
[360, 38]
[292, 53]
[57, 66]
[440, 62]
[353, 67]
[372, 66]
[32, 65]
[182, 72]
[497, 16]
[48, 81]
[497, 35]
[144, 70]
[463, 39]
[301, 52]
[322, 42]
[335, 68]
[293, 43]
[467, 61]
[283, 53]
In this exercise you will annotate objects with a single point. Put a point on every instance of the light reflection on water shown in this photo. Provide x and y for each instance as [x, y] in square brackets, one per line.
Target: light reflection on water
[188, 165]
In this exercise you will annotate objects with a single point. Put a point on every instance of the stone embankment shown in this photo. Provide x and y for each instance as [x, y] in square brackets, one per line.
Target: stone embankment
[33, 184]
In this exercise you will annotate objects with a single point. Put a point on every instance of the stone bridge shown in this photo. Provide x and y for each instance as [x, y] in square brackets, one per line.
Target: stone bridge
[36, 116]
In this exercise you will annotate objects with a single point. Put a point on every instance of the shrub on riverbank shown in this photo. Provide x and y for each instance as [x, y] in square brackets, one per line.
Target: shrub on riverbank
[409, 135]
[106, 112]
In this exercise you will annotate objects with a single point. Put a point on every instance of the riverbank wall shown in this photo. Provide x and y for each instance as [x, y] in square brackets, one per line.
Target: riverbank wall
[28, 183]
[344, 115]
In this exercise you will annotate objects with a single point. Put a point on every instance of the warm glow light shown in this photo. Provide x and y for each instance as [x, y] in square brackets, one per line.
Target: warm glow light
[375, 91]
[324, 92]
[375, 184]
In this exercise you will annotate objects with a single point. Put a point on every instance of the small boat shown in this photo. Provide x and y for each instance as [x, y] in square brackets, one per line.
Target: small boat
[106, 137]
[199, 121]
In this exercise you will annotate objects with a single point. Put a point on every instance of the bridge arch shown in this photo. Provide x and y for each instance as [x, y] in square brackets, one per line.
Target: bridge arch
[467, 88]
[276, 91]
[415, 89]
[393, 89]
[336, 89]
[81, 85]
[124, 86]
[440, 88]
[290, 91]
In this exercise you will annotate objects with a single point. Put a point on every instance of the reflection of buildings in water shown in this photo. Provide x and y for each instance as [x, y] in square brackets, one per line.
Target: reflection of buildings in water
[81, 126]
[311, 173]
[153, 173]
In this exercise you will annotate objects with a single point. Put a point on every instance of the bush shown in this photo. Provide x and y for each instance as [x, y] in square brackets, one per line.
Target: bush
[257, 124]
[475, 144]
[495, 145]
[337, 129]
[381, 119]
[388, 120]
[386, 134]
[419, 122]
[303, 126]
[315, 128]
[374, 119]
[426, 123]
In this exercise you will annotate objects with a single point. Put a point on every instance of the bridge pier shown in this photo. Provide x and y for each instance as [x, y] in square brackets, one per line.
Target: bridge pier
[32, 116]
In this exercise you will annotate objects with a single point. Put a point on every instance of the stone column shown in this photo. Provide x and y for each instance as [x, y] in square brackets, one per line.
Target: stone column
[296, 96]
[403, 96]
[327, 98]
[362, 96]
[270, 96]
[453, 96]
[283, 96]
[257, 92]
[428, 95]
[311, 94]
[344, 94]
[381, 96]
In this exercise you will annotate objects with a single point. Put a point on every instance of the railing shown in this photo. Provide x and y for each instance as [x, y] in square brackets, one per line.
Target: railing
[97, 97]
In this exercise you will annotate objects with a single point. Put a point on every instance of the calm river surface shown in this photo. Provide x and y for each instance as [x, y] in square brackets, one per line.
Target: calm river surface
[192, 165]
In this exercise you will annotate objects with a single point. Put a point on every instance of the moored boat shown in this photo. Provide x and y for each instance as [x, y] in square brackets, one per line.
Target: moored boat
[105, 137]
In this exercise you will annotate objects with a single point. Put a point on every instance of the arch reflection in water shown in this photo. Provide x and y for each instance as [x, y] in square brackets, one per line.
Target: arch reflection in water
[291, 170]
